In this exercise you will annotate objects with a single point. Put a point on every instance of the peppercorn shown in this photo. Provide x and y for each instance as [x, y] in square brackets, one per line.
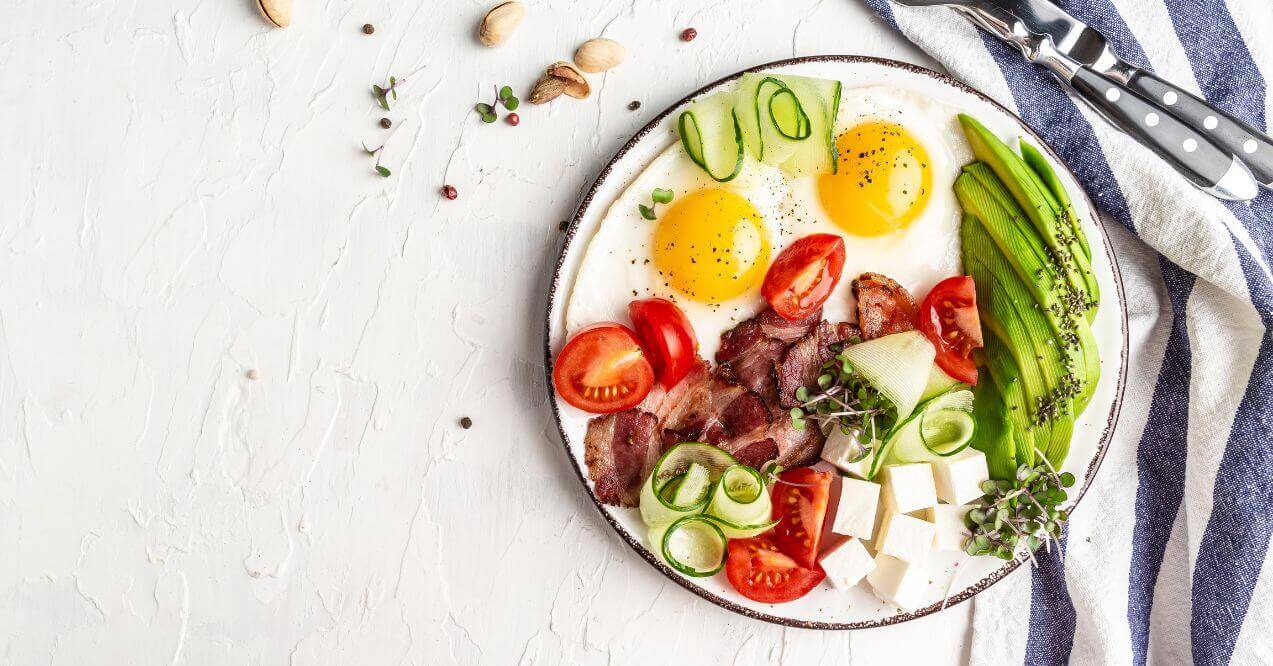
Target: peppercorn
[450, 192]
[634, 105]
[688, 34]
[368, 28]
[386, 123]
[466, 423]
[512, 119]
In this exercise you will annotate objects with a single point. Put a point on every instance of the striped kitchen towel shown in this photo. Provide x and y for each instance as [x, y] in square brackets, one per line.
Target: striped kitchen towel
[1168, 559]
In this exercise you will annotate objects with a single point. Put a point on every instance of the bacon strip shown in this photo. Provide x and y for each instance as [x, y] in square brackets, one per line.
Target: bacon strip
[802, 362]
[620, 450]
[884, 306]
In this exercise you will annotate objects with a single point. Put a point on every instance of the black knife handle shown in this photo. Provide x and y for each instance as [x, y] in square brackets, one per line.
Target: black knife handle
[1240, 139]
[1187, 150]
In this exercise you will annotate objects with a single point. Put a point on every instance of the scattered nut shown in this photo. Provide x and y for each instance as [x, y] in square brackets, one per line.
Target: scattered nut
[500, 22]
[277, 12]
[600, 54]
[560, 77]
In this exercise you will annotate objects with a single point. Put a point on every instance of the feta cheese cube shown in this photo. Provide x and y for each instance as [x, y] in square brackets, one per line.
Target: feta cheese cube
[906, 537]
[948, 521]
[910, 487]
[847, 565]
[839, 450]
[855, 516]
[959, 477]
[898, 583]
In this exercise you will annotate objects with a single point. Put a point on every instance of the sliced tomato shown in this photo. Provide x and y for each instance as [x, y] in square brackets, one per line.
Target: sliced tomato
[603, 369]
[800, 507]
[948, 317]
[803, 275]
[760, 571]
[667, 337]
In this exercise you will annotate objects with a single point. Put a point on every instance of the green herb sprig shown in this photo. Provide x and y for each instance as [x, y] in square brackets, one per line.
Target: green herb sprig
[383, 95]
[657, 196]
[376, 152]
[503, 95]
[843, 399]
[1022, 511]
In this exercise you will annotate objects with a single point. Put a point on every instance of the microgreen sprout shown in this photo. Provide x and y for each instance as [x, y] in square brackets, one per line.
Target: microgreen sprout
[376, 153]
[843, 399]
[1022, 511]
[503, 95]
[383, 95]
[657, 196]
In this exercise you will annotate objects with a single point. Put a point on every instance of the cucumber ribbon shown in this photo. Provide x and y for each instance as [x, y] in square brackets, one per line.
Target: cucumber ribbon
[697, 498]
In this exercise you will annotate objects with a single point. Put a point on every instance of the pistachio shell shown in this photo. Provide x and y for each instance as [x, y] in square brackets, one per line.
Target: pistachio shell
[500, 22]
[277, 12]
[599, 55]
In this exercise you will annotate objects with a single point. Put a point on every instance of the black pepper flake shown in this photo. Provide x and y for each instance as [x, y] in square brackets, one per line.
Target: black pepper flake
[466, 422]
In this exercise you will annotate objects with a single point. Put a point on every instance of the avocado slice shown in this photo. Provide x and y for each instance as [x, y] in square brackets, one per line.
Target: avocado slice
[1037, 202]
[1039, 164]
[994, 428]
[1022, 249]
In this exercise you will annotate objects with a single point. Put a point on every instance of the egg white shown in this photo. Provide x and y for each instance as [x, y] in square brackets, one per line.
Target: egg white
[618, 264]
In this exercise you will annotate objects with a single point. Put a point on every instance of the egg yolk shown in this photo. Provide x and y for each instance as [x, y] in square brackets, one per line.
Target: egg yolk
[882, 182]
[711, 245]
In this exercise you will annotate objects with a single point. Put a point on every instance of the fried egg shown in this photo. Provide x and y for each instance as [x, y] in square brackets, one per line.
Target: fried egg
[891, 198]
[709, 249]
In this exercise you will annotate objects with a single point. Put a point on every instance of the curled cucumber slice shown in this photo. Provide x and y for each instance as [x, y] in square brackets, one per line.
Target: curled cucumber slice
[694, 545]
[940, 427]
[681, 482]
[741, 499]
[712, 136]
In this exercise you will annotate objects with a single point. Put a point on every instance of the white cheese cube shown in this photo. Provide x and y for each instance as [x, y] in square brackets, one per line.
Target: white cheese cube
[847, 565]
[959, 478]
[855, 516]
[840, 448]
[910, 487]
[906, 537]
[948, 521]
[901, 584]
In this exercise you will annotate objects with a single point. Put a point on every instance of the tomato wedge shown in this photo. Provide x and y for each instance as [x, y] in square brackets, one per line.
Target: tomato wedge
[800, 507]
[948, 318]
[603, 369]
[667, 337]
[803, 275]
[762, 572]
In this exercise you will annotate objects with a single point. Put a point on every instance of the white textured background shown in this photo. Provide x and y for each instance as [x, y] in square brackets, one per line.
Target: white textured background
[183, 199]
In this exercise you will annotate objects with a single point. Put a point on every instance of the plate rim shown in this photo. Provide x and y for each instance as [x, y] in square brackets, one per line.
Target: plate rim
[1103, 444]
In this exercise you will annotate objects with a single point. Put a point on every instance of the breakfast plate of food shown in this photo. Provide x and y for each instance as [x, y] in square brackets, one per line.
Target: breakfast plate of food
[836, 342]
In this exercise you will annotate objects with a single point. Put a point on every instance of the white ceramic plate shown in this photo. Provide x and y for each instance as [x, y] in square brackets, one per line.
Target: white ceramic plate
[825, 607]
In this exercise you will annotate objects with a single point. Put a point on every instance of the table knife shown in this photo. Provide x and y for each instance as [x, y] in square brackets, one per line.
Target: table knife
[1218, 153]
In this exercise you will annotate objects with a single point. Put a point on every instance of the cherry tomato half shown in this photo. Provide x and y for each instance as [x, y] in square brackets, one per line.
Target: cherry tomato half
[948, 317]
[603, 369]
[800, 506]
[667, 337]
[803, 275]
[760, 571]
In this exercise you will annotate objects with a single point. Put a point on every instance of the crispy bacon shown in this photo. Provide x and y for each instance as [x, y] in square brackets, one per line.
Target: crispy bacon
[756, 454]
[884, 306]
[712, 409]
[802, 362]
[748, 351]
[620, 450]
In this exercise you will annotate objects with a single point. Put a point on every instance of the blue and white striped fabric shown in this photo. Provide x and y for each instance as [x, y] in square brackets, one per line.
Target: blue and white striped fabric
[1168, 560]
